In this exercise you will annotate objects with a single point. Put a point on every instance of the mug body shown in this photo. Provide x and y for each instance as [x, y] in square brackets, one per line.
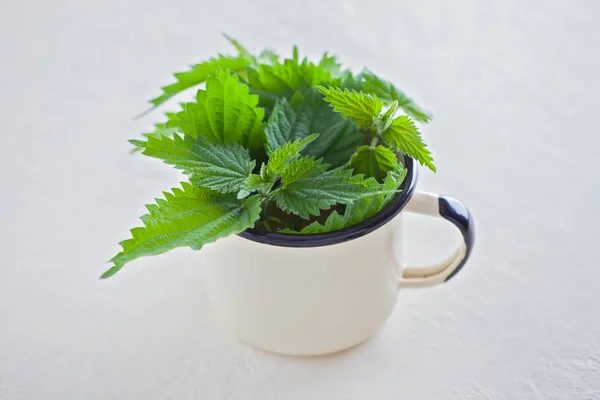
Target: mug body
[316, 294]
[303, 300]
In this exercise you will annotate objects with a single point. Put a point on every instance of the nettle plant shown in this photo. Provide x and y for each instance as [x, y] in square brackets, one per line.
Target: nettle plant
[281, 145]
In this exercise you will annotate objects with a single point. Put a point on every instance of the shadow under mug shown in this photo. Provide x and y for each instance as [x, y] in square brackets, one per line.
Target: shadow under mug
[318, 294]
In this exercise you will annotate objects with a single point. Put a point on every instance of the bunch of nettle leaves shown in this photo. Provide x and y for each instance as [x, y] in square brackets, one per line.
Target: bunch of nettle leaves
[288, 146]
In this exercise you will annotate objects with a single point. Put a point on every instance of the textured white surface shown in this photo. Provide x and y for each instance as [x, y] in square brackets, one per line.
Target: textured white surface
[515, 87]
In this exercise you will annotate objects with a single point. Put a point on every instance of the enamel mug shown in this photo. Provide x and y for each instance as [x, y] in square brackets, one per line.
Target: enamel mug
[317, 294]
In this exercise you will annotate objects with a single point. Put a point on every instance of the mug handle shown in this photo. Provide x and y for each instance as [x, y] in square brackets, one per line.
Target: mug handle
[454, 211]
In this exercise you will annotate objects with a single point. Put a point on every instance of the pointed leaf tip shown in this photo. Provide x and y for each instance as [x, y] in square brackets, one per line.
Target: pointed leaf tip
[110, 272]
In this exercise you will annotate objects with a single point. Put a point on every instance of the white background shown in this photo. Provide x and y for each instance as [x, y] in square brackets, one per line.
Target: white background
[515, 89]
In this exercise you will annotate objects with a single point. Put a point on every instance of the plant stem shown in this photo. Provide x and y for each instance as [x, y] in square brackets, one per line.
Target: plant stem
[265, 209]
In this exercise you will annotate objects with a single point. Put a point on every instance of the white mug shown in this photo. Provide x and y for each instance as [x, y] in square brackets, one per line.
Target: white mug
[317, 294]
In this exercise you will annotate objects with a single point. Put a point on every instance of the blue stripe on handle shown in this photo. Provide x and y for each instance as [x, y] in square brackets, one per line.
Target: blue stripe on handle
[456, 212]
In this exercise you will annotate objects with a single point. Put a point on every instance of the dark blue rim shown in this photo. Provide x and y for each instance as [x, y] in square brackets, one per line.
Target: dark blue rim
[407, 188]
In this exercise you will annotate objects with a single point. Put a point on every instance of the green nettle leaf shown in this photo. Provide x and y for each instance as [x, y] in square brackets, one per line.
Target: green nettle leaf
[359, 107]
[388, 92]
[373, 161]
[223, 168]
[281, 128]
[348, 80]
[160, 130]
[282, 156]
[388, 116]
[393, 180]
[330, 65]
[224, 113]
[198, 74]
[189, 216]
[334, 222]
[367, 207]
[254, 183]
[362, 208]
[325, 72]
[274, 82]
[306, 115]
[268, 57]
[308, 187]
[404, 136]
[365, 110]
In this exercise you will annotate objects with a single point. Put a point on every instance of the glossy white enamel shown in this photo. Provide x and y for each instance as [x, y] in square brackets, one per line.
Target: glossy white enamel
[315, 300]
[303, 301]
